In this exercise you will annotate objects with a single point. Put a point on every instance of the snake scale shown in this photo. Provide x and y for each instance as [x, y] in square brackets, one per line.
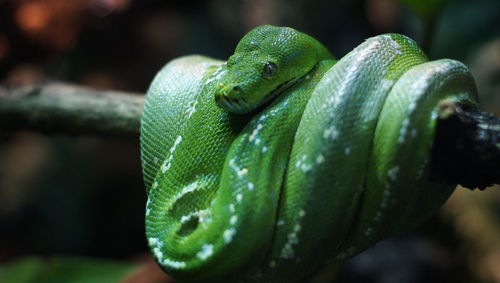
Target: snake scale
[264, 167]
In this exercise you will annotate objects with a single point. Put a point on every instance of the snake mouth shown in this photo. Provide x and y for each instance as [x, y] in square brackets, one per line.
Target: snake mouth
[279, 89]
[233, 105]
[241, 105]
[286, 85]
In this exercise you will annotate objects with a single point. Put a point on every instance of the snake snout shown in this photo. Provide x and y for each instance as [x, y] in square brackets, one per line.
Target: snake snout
[227, 103]
[229, 90]
[236, 91]
[230, 99]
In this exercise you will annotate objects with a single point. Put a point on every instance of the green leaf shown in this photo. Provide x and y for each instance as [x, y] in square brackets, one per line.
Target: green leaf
[425, 8]
[63, 269]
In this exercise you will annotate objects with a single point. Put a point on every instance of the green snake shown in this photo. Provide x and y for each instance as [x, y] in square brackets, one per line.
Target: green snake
[267, 166]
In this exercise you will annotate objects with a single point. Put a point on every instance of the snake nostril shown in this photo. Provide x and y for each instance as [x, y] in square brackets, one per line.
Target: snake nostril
[236, 89]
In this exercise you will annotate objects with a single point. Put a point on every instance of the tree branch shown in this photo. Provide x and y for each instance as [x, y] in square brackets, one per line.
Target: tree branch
[466, 146]
[57, 108]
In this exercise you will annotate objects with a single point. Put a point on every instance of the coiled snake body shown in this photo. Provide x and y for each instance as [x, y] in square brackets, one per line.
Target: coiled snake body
[280, 159]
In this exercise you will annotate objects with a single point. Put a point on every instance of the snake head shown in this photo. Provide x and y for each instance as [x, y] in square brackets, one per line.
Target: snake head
[267, 61]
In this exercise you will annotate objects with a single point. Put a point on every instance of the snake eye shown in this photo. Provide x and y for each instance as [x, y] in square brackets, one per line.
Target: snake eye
[270, 70]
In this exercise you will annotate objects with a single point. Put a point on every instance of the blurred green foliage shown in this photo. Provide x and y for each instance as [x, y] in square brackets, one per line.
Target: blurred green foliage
[425, 8]
[63, 269]
[69, 195]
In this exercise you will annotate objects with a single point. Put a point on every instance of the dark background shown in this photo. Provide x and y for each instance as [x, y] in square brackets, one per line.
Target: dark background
[84, 195]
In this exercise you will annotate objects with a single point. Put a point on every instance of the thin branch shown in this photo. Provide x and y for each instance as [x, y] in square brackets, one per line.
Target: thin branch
[466, 146]
[57, 108]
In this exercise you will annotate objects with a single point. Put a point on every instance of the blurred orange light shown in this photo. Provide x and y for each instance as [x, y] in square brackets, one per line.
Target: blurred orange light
[32, 16]
[103, 8]
[4, 47]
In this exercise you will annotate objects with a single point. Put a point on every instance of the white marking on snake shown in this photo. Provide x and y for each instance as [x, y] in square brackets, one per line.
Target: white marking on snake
[148, 210]
[231, 208]
[153, 241]
[239, 197]
[191, 108]
[298, 164]
[386, 84]
[302, 213]
[401, 139]
[254, 134]
[189, 188]
[412, 106]
[168, 162]
[204, 216]
[347, 150]
[206, 251]
[386, 194]
[250, 186]
[403, 130]
[287, 252]
[242, 172]
[165, 166]
[332, 100]
[228, 234]
[173, 263]
[360, 55]
[280, 222]
[406, 123]
[185, 218]
[233, 219]
[394, 44]
[158, 253]
[156, 245]
[216, 75]
[176, 143]
[232, 163]
[330, 133]
[264, 149]
[320, 159]
[393, 173]
[305, 167]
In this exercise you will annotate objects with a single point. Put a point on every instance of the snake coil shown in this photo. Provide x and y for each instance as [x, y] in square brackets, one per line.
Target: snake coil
[266, 166]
